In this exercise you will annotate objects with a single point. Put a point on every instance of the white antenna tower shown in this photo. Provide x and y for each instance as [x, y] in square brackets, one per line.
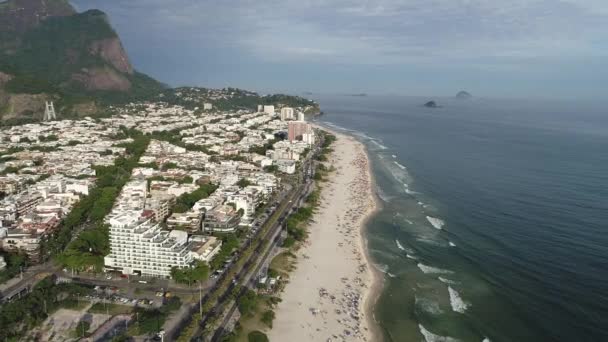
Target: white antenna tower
[49, 112]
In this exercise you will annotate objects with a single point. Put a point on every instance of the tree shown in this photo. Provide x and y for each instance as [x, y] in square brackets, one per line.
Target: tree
[271, 168]
[267, 318]
[248, 302]
[243, 183]
[257, 336]
[196, 273]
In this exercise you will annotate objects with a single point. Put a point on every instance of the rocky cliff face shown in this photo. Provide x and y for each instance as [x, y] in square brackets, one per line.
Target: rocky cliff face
[46, 47]
[112, 52]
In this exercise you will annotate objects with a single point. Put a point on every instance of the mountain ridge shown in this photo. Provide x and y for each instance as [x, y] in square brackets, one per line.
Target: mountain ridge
[55, 53]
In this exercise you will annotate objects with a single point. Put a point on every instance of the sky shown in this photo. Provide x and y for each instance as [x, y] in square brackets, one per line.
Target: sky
[491, 48]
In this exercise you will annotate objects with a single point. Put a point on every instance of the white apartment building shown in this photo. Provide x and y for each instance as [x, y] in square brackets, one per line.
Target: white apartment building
[287, 114]
[143, 248]
[269, 109]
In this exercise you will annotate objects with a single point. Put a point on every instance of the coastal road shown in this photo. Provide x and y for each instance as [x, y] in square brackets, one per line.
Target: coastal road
[250, 279]
[304, 178]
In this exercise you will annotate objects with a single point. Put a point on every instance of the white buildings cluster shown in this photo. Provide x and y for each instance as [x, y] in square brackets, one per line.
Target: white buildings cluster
[46, 168]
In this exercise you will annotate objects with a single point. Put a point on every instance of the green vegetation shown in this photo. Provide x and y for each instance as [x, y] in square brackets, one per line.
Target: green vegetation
[271, 168]
[82, 329]
[14, 263]
[248, 302]
[45, 59]
[151, 321]
[229, 244]
[267, 318]
[87, 251]
[243, 183]
[199, 272]
[185, 201]
[257, 336]
[111, 309]
[21, 315]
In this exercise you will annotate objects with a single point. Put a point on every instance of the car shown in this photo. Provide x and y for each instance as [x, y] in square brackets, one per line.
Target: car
[143, 282]
[109, 277]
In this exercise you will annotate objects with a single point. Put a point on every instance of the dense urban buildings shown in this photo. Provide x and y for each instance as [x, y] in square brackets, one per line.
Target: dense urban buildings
[202, 174]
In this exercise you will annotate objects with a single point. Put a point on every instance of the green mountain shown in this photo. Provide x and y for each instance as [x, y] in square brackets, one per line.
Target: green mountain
[48, 51]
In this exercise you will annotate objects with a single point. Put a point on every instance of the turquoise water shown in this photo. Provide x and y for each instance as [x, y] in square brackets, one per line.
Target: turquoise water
[494, 219]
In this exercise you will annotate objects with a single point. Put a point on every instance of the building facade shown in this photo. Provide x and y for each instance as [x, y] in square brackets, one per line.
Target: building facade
[141, 247]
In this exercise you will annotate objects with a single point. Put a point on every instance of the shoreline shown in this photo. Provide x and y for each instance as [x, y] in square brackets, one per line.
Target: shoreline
[332, 292]
[371, 296]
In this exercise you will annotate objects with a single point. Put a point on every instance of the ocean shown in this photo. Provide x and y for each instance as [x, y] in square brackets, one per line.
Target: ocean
[494, 224]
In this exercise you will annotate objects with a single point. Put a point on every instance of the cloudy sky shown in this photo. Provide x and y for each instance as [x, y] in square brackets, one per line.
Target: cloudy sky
[493, 48]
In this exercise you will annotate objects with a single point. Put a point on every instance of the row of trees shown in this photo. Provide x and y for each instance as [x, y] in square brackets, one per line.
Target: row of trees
[88, 249]
[185, 201]
[199, 272]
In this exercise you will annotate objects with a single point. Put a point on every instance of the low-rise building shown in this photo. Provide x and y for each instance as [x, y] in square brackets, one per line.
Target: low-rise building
[221, 219]
[189, 221]
[205, 248]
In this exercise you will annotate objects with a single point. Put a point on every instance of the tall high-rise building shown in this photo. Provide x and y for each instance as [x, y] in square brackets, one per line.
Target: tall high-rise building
[301, 116]
[139, 246]
[296, 129]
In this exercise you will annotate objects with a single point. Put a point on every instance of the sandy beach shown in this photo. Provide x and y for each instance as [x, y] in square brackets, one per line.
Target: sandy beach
[333, 288]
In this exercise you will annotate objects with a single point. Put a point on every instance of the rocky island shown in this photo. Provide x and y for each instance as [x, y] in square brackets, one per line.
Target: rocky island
[431, 104]
[463, 95]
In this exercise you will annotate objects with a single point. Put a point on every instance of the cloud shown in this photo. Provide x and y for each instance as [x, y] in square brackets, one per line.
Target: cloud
[382, 31]
[486, 35]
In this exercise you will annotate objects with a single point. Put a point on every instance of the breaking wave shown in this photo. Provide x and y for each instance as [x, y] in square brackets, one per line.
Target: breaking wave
[458, 305]
[433, 270]
[447, 281]
[399, 245]
[435, 222]
[400, 166]
[430, 337]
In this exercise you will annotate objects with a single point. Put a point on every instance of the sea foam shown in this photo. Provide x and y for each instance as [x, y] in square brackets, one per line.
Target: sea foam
[436, 222]
[399, 245]
[447, 281]
[428, 305]
[456, 301]
[433, 270]
[400, 166]
[430, 337]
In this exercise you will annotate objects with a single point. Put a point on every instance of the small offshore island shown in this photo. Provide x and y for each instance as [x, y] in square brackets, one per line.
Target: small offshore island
[463, 95]
[432, 104]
